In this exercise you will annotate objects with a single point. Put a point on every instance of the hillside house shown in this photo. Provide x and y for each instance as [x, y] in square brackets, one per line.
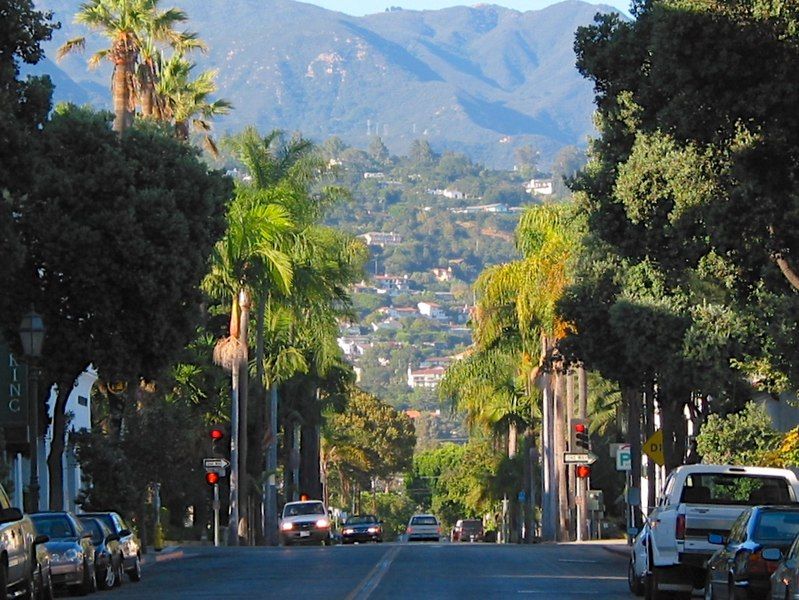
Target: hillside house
[381, 238]
[425, 378]
[442, 274]
[432, 310]
[542, 187]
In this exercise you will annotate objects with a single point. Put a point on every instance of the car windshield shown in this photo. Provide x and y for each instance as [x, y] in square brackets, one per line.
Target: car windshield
[733, 488]
[361, 520]
[303, 508]
[777, 526]
[54, 526]
[424, 521]
[106, 520]
[94, 527]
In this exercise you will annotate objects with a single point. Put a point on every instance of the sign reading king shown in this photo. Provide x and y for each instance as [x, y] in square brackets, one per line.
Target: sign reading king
[13, 390]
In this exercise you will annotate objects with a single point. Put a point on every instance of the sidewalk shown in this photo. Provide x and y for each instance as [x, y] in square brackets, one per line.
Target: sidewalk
[619, 546]
[166, 554]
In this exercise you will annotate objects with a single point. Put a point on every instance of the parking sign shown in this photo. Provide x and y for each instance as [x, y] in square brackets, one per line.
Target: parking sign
[624, 460]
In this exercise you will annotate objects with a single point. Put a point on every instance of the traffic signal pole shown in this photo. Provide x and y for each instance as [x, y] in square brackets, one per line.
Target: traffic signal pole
[582, 483]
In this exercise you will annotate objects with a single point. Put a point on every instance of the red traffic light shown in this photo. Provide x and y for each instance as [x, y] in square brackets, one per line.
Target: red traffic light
[583, 471]
[212, 478]
[580, 428]
[217, 433]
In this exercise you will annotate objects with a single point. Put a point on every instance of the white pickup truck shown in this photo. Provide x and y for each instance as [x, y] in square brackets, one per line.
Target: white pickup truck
[698, 500]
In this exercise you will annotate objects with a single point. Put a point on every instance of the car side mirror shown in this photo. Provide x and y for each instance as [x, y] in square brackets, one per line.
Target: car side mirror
[112, 537]
[771, 554]
[7, 515]
[41, 539]
[715, 538]
[124, 533]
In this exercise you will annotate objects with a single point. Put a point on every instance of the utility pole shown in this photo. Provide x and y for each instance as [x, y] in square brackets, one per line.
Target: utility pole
[270, 501]
[582, 483]
[243, 482]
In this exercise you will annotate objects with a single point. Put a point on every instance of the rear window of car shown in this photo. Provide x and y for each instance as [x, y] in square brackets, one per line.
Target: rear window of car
[777, 526]
[471, 524]
[424, 521]
[303, 508]
[734, 488]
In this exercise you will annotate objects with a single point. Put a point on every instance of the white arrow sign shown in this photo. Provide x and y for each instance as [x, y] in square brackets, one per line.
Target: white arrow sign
[212, 464]
[579, 458]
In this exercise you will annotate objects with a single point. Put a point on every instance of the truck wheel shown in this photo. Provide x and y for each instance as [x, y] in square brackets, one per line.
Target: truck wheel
[652, 585]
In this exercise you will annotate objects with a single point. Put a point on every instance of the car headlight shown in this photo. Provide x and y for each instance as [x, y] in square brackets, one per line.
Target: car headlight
[348, 531]
[286, 526]
[70, 555]
[373, 530]
[323, 523]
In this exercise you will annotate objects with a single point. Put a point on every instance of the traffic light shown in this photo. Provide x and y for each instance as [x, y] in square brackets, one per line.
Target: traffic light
[217, 435]
[578, 435]
[212, 478]
[583, 471]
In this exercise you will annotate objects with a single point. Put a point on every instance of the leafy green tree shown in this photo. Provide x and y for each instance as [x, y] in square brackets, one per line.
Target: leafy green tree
[118, 233]
[742, 438]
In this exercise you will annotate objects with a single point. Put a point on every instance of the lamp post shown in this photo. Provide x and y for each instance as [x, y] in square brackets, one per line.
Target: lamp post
[31, 331]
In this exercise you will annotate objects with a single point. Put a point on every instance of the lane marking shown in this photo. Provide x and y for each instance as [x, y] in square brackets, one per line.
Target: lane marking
[600, 577]
[373, 578]
[577, 560]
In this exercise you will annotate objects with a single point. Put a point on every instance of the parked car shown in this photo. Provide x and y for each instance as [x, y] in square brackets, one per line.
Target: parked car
[18, 540]
[738, 570]
[423, 527]
[362, 528]
[468, 530]
[131, 552]
[785, 579]
[698, 500]
[42, 577]
[305, 522]
[636, 568]
[108, 559]
[71, 550]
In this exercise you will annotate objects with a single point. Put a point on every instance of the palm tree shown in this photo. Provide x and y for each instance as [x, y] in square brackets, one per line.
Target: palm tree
[126, 24]
[184, 101]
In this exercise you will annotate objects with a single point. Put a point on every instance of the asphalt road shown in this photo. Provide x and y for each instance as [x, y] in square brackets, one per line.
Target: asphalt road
[556, 571]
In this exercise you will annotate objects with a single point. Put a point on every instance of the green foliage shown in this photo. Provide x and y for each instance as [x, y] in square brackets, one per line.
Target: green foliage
[394, 509]
[741, 438]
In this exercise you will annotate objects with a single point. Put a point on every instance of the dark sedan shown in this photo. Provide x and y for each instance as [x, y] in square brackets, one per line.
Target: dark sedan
[70, 549]
[108, 553]
[131, 553]
[738, 570]
[362, 528]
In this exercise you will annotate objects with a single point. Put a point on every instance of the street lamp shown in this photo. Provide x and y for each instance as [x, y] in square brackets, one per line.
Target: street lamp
[31, 331]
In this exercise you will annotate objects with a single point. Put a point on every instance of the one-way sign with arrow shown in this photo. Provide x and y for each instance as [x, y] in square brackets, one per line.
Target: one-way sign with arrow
[216, 465]
[579, 458]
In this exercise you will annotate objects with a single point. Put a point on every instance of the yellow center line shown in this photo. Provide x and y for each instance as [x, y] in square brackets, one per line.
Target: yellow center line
[369, 583]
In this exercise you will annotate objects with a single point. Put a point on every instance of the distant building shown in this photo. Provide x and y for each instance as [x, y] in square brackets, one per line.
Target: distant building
[425, 378]
[442, 274]
[482, 208]
[382, 239]
[377, 175]
[393, 284]
[432, 310]
[448, 193]
[543, 187]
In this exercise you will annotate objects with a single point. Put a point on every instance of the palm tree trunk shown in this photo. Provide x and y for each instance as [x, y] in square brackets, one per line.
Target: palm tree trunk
[244, 379]
[123, 70]
[271, 468]
[560, 446]
[258, 412]
[570, 470]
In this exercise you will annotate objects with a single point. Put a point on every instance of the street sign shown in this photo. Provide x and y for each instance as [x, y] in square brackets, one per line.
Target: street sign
[522, 497]
[13, 390]
[216, 464]
[624, 458]
[579, 458]
[653, 447]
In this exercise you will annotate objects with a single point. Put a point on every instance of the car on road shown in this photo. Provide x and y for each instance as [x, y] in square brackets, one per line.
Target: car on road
[636, 567]
[131, 551]
[18, 542]
[739, 570]
[423, 527]
[108, 559]
[42, 577]
[71, 551]
[305, 522]
[468, 530]
[362, 528]
[785, 579]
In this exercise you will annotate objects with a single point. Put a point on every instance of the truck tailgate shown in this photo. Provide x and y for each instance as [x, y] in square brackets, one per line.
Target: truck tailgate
[703, 519]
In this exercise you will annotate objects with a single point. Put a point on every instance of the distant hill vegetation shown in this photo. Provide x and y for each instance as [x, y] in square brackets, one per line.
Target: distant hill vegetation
[481, 80]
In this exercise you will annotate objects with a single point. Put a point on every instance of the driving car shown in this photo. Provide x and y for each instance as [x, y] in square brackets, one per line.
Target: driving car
[741, 568]
[636, 567]
[362, 528]
[108, 553]
[423, 527]
[467, 530]
[305, 522]
[131, 552]
[71, 550]
[785, 580]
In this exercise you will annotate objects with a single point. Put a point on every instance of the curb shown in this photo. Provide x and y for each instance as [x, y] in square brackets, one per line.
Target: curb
[165, 555]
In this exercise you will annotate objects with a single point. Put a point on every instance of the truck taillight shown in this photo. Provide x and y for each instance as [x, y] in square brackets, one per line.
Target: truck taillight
[680, 527]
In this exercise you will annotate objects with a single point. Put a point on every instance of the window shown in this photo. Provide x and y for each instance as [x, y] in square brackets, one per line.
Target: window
[778, 527]
[424, 521]
[734, 488]
[738, 530]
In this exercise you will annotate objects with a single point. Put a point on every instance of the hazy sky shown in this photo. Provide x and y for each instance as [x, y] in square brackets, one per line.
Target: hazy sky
[363, 7]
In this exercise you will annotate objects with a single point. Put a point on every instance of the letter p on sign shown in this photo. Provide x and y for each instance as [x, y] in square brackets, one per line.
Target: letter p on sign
[624, 458]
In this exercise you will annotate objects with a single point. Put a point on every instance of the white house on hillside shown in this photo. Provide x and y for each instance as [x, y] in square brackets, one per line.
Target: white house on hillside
[425, 378]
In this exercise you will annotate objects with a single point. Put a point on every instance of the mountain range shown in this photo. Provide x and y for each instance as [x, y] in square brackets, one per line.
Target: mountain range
[482, 80]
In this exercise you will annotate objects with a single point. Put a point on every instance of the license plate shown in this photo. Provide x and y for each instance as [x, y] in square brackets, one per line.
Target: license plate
[305, 534]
